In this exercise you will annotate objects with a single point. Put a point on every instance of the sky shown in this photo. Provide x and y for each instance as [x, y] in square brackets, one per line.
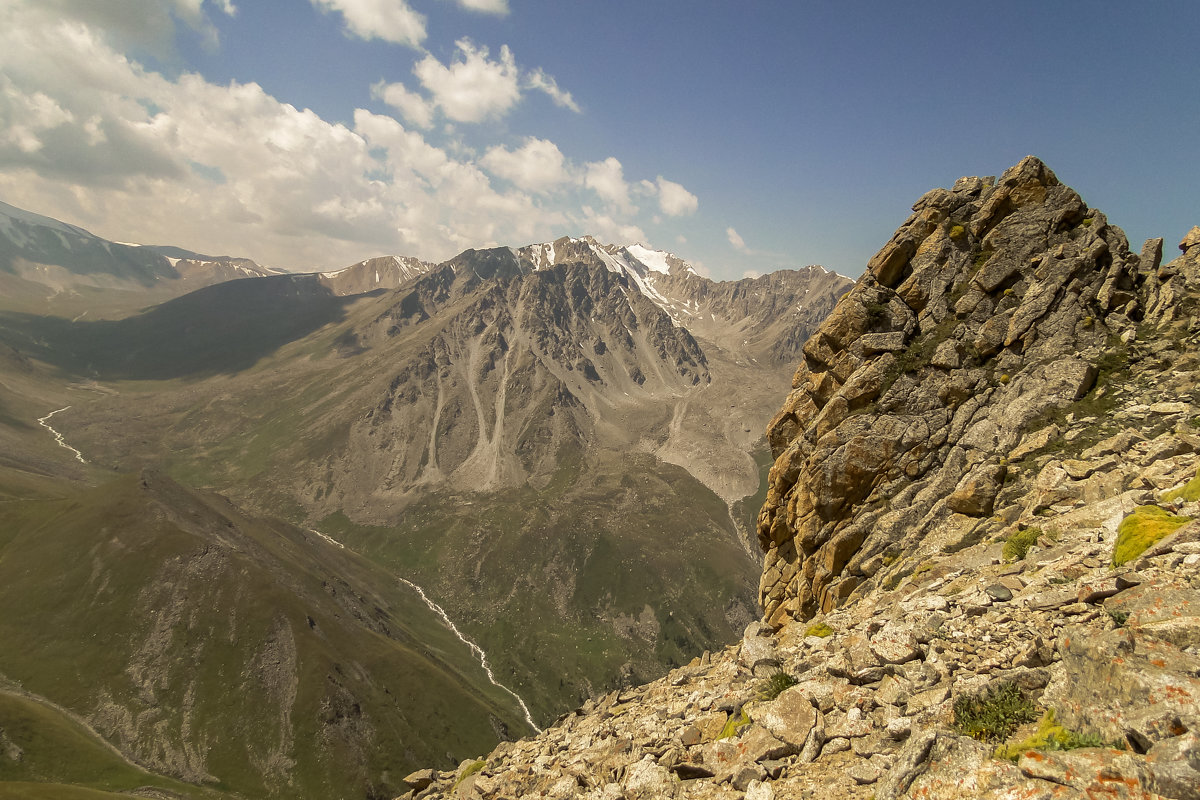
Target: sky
[742, 136]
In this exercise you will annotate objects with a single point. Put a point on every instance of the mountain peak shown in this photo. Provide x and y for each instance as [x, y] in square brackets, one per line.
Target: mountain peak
[992, 306]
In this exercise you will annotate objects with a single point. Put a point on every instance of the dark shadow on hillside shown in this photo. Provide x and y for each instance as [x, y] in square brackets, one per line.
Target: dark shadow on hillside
[224, 328]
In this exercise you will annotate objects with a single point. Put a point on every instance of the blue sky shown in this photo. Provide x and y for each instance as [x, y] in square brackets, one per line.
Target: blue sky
[744, 137]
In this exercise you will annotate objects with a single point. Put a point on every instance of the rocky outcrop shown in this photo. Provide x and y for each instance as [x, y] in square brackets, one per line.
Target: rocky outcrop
[994, 304]
[1168, 296]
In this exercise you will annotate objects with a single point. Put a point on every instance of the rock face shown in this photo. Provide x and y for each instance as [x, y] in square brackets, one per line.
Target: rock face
[990, 307]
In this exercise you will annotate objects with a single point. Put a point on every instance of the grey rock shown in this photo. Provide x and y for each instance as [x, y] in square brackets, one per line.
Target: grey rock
[421, 779]
[1191, 239]
[895, 644]
[1151, 256]
[1112, 684]
[999, 592]
[863, 772]
[912, 760]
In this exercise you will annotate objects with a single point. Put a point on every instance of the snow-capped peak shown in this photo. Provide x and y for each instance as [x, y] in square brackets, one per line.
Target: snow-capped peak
[640, 264]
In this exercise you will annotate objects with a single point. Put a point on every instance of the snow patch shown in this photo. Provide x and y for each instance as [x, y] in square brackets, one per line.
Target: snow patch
[654, 259]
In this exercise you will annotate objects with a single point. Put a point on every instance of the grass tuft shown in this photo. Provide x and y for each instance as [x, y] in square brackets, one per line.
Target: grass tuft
[995, 715]
[775, 685]
[1189, 492]
[1018, 544]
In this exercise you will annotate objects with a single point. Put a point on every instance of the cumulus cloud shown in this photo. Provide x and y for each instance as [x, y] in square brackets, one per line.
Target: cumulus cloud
[539, 80]
[537, 166]
[473, 87]
[497, 7]
[608, 228]
[734, 239]
[389, 20]
[415, 109]
[674, 200]
[148, 25]
[90, 136]
[607, 179]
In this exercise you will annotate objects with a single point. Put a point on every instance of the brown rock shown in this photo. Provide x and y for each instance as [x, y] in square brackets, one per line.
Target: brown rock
[790, 717]
[976, 493]
[1191, 239]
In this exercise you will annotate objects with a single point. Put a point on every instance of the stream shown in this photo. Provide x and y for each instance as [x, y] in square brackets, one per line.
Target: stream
[58, 437]
[476, 649]
[434, 607]
[479, 654]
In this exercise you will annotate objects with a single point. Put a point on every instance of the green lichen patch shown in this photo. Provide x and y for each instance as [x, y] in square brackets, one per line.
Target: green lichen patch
[733, 725]
[467, 772]
[1141, 529]
[818, 629]
[1049, 736]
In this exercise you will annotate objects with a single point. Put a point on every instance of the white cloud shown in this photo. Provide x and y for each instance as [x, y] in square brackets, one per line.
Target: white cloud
[607, 228]
[498, 7]
[674, 200]
[537, 166]
[538, 79]
[147, 24]
[92, 137]
[390, 20]
[734, 239]
[473, 88]
[607, 179]
[416, 109]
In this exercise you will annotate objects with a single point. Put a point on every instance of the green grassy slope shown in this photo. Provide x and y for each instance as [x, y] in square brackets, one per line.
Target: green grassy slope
[45, 753]
[229, 651]
[566, 587]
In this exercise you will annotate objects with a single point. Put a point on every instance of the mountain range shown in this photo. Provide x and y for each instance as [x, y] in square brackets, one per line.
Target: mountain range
[560, 445]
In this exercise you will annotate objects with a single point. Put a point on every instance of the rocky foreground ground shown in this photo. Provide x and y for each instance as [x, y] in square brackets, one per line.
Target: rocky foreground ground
[1115, 651]
[1040, 637]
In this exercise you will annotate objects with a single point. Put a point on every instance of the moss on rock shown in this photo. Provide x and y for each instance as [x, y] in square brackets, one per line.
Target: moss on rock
[1142, 528]
[1048, 736]
[1018, 543]
[1189, 492]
